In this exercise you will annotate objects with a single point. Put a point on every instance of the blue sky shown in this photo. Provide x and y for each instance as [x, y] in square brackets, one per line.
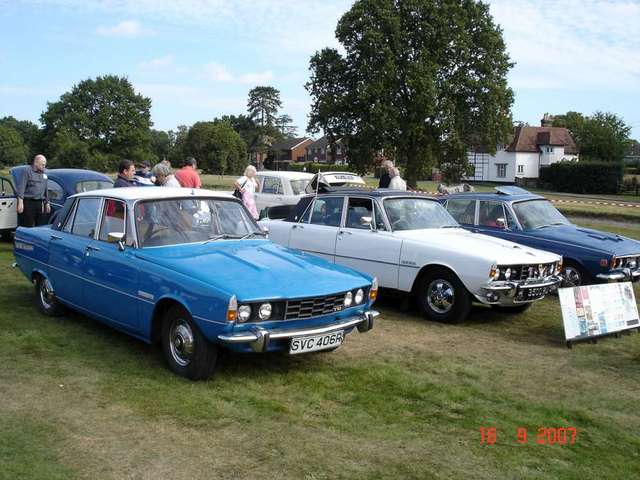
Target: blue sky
[197, 59]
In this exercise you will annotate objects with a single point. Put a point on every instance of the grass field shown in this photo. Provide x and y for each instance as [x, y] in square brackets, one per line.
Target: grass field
[406, 400]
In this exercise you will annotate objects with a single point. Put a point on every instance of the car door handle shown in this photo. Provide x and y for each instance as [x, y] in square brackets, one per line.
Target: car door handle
[345, 231]
[92, 248]
[299, 226]
[55, 237]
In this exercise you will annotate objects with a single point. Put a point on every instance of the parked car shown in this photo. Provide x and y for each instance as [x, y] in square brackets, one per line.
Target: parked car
[285, 188]
[190, 269]
[589, 256]
[412, 245]
[62, 182]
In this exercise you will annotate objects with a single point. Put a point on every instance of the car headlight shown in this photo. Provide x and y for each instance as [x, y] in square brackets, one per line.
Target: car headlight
[244, 313]
[359, 296]
[348, 299]
[494, 273]
[507, 274]
[264, 312]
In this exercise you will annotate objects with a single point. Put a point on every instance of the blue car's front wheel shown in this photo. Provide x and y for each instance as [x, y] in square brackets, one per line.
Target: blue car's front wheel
[187, 352]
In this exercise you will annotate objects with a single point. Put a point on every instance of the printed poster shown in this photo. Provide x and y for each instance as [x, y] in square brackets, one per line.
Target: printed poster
[595, 310]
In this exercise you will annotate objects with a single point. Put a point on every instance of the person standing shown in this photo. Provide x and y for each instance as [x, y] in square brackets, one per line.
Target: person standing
[248, 186]
[33, 199]
[188, 174]
[164, 177]
[126, 174]
[396, 182]
[385, 178]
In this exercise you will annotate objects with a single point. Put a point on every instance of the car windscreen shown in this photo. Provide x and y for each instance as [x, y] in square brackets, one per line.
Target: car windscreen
[534, 214]
[90, 185]
[416, 214]
[190, 220]
[298, 186]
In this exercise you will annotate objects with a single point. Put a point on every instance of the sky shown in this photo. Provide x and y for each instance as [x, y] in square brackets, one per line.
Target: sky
[198, 59]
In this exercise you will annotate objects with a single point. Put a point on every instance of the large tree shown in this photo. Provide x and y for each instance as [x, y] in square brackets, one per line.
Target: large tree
[217, 147]
[106, 115]
[13, 150]
[263, 105]
[29, 132]
[421, 79]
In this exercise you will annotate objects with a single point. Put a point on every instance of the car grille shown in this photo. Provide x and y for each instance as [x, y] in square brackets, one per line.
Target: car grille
[535, 272]
[313, 307]
[631, 262]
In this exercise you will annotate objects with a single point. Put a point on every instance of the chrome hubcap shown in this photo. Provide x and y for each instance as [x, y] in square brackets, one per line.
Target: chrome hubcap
[572, 277]
[46, 294]
[440, 296]
[181, 342]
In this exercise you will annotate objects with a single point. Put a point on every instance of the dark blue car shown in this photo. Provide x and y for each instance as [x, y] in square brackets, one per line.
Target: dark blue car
[589, 256]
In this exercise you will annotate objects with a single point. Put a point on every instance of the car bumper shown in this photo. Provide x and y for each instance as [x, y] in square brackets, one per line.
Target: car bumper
[620, 275]
[512, 292]
[258, 338]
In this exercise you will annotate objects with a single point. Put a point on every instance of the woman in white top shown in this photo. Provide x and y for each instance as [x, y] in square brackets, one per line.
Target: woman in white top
[163, 175]
[396, 183]
[248, 186]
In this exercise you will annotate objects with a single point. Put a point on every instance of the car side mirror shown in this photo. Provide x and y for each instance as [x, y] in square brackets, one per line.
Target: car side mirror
[367, 222]
[117, 237]
[500, 223]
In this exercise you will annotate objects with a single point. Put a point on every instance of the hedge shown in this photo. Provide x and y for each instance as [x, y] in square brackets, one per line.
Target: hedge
[582, 177]
[315, 167]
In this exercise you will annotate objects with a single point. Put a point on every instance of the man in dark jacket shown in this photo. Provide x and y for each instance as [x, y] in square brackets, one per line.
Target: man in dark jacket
[33, 199]
[385, 178]
[126, 174]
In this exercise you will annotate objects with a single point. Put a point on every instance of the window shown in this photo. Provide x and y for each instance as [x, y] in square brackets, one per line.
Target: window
[84, 221]
[489, 214]
[6, 189]
[327, 211]
[112, 219]
[520, 168]
[298, 186]
[90, 185]
[511, 221]
[379, 219]
[358, 209]
[463, 210]
[501, 170]
[54, 191]
[272, 185]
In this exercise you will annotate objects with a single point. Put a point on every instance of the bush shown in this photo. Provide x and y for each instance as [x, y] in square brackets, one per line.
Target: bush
[583, 177]
[310, 167]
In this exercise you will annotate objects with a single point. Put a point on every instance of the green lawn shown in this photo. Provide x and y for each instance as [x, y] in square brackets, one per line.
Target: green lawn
[407, 400]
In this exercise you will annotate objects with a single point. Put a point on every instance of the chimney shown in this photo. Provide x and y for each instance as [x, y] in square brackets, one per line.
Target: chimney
[547, 120]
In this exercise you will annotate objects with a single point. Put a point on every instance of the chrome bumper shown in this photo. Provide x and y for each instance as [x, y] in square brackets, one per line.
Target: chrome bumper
[258, 337]
[620, 275]
[507, 290]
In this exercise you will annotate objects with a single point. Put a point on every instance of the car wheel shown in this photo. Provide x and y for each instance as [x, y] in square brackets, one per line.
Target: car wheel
[187, 352]
[46, 298]
[442, 297]
[514, 309]
[573, 275]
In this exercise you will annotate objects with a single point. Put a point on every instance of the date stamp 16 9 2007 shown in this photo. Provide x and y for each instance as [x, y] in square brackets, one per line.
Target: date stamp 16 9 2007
[543, 436]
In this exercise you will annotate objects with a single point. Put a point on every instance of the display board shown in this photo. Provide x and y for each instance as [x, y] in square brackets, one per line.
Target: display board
[595, 310]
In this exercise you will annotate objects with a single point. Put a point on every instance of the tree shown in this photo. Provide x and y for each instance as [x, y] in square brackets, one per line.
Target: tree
[106, 115]
[420, 77]
[160, 144]
[284, 124]
[13, 150]
[263, 105]
[29, 132]
[178, 139]
[216, 147]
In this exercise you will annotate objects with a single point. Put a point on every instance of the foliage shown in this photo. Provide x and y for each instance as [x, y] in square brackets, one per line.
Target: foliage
[178, 138]
[105, 115]
[602, 136]
[284, 124]
[263, 105]
[13, 150]
[29, 132]
[161, 144]
[421, 78]
[216, 146]
[583, 177]
[311, 167]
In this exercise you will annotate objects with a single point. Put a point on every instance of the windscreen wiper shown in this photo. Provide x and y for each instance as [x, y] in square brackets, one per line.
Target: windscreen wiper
[264, 234]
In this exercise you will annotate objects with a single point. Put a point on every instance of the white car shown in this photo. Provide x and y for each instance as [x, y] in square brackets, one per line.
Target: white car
[8, 205]
[286, 188]
[412, 245]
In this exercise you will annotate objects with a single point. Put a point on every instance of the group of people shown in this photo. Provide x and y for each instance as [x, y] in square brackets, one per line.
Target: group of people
[391, 177]
[160, 175]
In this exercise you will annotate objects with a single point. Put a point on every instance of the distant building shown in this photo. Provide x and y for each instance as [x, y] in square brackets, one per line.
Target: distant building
[530, 149]
[634, 153]
[320, 152]
[290, 150]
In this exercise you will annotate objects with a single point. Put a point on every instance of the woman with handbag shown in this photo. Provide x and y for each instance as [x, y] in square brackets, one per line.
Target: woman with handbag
[246, 187]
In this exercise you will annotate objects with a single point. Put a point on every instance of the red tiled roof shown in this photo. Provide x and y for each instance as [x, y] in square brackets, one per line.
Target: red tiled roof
[529, 139]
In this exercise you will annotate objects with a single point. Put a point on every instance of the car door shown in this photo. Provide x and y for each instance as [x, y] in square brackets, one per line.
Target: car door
[8, 204]
[271, 193]
[463, 210]
[368, 246]
[112, 276]
[317, 231]
[68, 248]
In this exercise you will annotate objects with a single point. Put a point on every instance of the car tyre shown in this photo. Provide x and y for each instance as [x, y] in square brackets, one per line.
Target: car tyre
[187, 352]
[442, 297]
[46, 299]
[513, 309]
[573, 275]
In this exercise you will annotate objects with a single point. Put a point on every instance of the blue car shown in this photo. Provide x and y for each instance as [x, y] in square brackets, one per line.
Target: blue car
[190, 269]
[512, 213]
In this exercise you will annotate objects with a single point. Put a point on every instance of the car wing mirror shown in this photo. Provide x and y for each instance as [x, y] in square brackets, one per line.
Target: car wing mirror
[367, 222]
[117, 237]
[500, 223]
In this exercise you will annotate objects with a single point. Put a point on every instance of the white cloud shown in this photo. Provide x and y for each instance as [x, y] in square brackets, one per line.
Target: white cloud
[157, 63]
[257, 78]
[126, 28]
[217, 72]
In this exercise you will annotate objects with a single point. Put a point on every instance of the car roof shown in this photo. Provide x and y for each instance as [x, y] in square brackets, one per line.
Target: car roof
[503, 193]
[153, 193]
[286, 174]
[378, 192]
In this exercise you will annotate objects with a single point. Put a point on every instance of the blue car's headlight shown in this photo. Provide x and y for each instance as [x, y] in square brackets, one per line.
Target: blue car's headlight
[348, 299]
[244, 313]
[359, 296]
[264, 312]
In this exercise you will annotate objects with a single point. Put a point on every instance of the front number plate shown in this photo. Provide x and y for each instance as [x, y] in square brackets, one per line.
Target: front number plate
[533, 293]
[312, 344]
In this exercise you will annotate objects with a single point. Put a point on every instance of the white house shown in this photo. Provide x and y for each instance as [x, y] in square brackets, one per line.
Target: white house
[531, 148]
